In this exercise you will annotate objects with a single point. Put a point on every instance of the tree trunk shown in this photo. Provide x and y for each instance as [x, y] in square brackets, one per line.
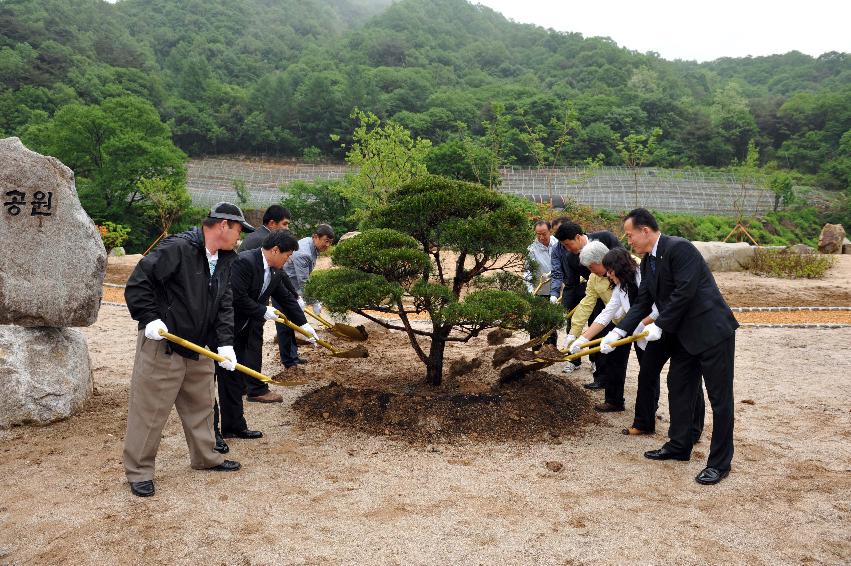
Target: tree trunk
[434, 365]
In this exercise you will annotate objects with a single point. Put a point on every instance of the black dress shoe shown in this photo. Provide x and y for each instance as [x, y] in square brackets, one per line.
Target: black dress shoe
[300, 361]
[221, 446]
[665, 454]
[142, 488]
[226, 466]
[711, 476]
[594, 385]
[247, 434]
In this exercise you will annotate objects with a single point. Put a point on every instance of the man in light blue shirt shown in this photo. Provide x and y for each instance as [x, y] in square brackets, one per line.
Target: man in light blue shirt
[298, 269]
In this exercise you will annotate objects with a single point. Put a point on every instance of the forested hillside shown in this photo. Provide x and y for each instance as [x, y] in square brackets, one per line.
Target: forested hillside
[281, 76]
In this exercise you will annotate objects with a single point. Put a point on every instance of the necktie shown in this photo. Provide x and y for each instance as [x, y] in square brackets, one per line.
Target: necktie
[267, 277]
[212, 263]
[652, 259]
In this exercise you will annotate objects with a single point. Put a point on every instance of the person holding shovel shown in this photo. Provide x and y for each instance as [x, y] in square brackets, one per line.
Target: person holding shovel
[181, 287]
[536, 270]
[698, 331]
[256, 276]
[298, 269]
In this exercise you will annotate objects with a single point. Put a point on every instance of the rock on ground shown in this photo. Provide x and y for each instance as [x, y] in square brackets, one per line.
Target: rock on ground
[52, 259]
[45, 374]
[831, 238]
[721, 256]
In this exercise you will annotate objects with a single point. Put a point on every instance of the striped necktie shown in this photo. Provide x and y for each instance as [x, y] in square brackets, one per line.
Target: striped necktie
[213, 263]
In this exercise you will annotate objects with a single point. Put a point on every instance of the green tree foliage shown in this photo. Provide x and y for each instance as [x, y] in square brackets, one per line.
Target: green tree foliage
[320, 202]
[422, 252]
[386, 157]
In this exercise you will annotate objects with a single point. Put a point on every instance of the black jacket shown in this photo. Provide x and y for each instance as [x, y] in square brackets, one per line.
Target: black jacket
[173, 283]
[684, 290]
[249, 305]
[254, 240]
[569, 270]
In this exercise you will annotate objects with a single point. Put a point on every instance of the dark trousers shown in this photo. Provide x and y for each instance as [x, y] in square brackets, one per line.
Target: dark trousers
[232, 385]
[286, 343]
[647, 396]
[569, 299]
[716, 365]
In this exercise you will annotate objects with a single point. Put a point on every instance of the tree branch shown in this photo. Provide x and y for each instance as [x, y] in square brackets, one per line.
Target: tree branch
[411, 335]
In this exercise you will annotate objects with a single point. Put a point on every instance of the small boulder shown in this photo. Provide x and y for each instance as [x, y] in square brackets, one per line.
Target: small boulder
[45, 374]
[52, 257]
[831, 238]
[802, 249]
[554, 466]
[723, 256]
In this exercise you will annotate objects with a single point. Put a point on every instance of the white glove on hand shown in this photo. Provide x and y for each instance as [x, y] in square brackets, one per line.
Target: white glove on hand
[152, 329]
[553, 299]
[301, 303]
[581, 341]
[270, 313]
[568, 340]
[654, 332]
[638, 329]
[230, 357]
[317, 307]
[529, 288]
[309, 329]
[610, 337]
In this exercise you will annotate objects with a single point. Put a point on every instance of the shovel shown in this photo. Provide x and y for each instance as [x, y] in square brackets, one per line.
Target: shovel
[339, 329]
[587, 350]
[244, 369]
[356, 352]
[517, 370]
[544, 281]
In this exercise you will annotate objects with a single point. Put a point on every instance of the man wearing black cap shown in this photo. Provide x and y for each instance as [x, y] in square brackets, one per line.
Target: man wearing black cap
[181, 287]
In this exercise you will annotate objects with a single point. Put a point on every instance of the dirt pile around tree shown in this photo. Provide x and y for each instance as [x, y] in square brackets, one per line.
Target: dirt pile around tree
[540, 406]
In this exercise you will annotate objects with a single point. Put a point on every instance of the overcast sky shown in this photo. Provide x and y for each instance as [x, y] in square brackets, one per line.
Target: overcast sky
[700, 31]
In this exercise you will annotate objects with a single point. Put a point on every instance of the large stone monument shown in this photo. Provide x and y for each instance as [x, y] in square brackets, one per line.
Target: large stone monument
[52, 263]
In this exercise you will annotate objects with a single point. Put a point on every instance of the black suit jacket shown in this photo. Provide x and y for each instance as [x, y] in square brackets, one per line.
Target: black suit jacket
[684, 290]
[249, 306]
[254, 240]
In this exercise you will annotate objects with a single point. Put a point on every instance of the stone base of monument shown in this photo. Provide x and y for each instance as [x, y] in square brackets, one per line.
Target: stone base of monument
[45, 374]
[722, 256]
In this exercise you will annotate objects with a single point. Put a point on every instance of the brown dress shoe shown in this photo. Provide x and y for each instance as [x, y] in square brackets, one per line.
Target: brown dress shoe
[632, 431]
[267, 397]
[608, 408]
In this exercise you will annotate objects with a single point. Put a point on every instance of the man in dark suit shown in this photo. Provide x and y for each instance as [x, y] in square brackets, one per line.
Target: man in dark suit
[256, 276]
[567, 269]
[276, 217]
[697, 330]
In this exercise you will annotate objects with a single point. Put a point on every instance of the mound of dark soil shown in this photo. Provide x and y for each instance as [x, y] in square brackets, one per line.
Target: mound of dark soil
[537, 405]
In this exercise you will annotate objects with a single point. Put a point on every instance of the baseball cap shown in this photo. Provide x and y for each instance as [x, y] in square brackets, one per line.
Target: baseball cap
[228, 211]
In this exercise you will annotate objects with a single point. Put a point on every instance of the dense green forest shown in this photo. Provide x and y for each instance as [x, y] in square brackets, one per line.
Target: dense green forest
[282, 77]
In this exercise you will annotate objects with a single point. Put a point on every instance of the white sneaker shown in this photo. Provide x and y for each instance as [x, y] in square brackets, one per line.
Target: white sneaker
[569, 368]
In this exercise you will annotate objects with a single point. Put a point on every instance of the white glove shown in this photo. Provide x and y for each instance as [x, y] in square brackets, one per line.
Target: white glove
[553, 299]
[227, 352]
[152, 329]
[638, 329]
[301, 303]
[568, 340]
[309, 329]
[576, 346]
[610, 337]
[529, 288]
[654, 332]
[270, 313]
[317, 307]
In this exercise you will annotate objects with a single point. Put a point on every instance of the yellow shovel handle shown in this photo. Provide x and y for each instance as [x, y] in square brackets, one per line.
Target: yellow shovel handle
[316, 317]
[212, 355]
[284, 320]
[589, 351]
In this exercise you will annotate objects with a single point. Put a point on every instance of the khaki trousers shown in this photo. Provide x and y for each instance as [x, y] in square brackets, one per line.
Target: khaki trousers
[160, 382]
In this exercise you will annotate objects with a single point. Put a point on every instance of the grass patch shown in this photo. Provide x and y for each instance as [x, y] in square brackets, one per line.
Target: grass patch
[790, 265]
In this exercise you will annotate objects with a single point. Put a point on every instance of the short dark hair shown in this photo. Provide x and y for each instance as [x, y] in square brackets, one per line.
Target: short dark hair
[568, 231]
[544, 223]
[642, 217]
[276, 213]
[324, 230]
[281, 239]
[559, 220]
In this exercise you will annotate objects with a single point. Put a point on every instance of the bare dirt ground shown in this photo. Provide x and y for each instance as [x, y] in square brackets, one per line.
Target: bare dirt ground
[313, 493]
